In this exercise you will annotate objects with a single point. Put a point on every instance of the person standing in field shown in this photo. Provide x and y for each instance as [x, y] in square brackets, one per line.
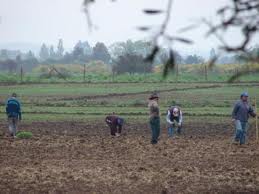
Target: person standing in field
[240, 115]
[115, 123]
[174, 119]
[154, 117]
[13, 112]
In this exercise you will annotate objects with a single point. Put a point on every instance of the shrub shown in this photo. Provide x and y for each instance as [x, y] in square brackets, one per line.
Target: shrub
[139, 103]
[24, 135]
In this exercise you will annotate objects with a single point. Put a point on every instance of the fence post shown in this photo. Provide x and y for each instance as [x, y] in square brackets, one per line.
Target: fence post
[177, 72]
[21, 74]
[256, 123]
[84, 71]
[206, 72]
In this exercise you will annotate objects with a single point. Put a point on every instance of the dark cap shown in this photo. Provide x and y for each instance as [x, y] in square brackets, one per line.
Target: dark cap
[154, 96]
[14, 95]
[244, 94]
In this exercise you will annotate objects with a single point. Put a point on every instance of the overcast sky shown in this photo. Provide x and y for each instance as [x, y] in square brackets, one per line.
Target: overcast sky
[38, 21]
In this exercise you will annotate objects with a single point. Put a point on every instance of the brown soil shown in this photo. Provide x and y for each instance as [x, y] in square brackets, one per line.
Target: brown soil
[73, 157]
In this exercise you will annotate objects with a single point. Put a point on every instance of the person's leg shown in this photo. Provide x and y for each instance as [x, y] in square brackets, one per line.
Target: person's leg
[170, 130]
[113, 129]
[243, 133]
[10, 126]
[153, 130]
[179, 128]
[119, 129]
[238, 132]
[158, 128]
[15, 126]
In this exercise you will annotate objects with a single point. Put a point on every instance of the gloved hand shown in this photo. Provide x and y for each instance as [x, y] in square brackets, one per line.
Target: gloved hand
[179, 124]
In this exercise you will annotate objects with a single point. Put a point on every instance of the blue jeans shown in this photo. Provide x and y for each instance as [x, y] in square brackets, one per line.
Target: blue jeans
[171, 128]
[241, 129]
[13, 125]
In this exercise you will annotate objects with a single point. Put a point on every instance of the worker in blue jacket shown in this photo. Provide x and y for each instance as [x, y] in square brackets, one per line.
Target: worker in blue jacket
[240, 115]
[13, 112]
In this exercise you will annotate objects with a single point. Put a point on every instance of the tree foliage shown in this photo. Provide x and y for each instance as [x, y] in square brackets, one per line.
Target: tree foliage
[100, 52]
[242, 14]
[131, 63]
[44, 52]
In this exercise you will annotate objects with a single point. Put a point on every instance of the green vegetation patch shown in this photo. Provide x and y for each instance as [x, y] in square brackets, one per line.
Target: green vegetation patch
[24, 134]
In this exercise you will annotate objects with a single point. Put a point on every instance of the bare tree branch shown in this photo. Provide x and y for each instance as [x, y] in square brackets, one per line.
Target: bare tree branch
[243, 14]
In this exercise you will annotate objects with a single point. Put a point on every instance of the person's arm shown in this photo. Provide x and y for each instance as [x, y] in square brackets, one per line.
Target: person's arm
[119, 128]
[180, 118]
[252, 112]
[168, 118]
[108, 120]
[234, 112]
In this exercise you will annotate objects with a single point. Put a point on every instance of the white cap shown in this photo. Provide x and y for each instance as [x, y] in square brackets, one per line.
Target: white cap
[176, 111]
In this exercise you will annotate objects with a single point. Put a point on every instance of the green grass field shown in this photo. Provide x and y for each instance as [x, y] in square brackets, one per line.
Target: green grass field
[184, 76]
[51, 102]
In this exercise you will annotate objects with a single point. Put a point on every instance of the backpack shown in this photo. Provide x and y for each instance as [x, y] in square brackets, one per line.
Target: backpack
[12, 108]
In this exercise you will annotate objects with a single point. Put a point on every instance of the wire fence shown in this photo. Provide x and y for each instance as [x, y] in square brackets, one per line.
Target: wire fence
[52, 74]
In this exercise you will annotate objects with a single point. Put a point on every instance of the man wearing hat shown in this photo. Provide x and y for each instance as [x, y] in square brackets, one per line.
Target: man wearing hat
[174, 119]
[154, 118]
[115, 123]
[13, 112]
[240, 116]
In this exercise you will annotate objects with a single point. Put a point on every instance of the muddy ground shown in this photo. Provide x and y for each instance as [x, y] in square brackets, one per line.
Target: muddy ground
[71, 157]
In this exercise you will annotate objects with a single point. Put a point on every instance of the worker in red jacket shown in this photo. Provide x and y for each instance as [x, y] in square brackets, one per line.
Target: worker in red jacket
[115, 123]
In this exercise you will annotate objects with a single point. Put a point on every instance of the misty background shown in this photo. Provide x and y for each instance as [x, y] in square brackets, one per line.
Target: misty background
[53, 32]
[25, 25]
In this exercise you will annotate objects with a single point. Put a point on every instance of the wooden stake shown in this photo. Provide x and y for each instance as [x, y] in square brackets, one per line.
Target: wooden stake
[206, 72]
[21, 74]
[84, 71]
[177, 72]
[256, 123]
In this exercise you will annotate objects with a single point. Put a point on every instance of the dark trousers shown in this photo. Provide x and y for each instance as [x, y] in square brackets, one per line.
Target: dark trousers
[115, 129]
[174, 127]
[155, 128]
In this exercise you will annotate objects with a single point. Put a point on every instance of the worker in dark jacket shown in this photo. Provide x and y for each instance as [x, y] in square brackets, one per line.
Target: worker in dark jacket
[115, 123]
[154, 117]
[240, 115]
[13, 112]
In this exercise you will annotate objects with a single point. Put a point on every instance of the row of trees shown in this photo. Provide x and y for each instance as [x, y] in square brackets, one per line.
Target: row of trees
[82, 53]
[122, 57]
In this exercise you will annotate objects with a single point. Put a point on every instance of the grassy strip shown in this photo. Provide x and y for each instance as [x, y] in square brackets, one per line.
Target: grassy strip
[77, 90]
[192, 76]
[119, 110]
[31, 118]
